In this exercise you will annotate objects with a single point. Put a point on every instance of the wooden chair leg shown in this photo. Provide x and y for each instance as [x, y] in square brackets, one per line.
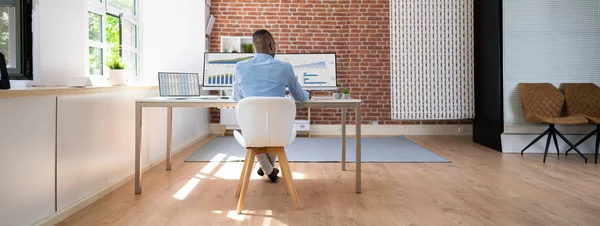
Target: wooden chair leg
[223, 130]
[241, 181]
[246, 182]
[287, 175]
[278, 151]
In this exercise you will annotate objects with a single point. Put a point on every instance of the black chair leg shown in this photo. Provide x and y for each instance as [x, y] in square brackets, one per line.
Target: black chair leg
[570, 144]
[548, 144]
[582, 140]
[536, 140]
[597, 146]
[555, 143]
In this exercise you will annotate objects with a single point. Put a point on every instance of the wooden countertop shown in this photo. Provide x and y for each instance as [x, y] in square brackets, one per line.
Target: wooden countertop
[61, 91]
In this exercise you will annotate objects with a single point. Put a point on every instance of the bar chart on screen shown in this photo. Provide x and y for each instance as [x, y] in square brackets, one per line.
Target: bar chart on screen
[221, 79]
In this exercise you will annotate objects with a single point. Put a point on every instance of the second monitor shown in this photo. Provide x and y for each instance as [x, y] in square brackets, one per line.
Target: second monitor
[314, 71]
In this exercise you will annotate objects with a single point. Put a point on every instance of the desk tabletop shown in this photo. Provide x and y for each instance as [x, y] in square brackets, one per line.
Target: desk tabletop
[317, 99]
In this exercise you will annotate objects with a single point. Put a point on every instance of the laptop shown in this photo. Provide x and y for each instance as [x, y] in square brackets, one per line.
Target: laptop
[179, 85]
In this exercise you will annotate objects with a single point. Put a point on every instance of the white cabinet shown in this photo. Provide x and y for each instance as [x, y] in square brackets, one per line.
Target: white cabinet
[26, 159]
[302, 125]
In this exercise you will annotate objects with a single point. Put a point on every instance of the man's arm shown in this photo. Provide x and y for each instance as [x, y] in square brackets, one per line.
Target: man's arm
[295, 87]
[237, 91]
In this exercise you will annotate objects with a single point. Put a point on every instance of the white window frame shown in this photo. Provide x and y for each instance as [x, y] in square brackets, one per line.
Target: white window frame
[102, 44]
[103, 9]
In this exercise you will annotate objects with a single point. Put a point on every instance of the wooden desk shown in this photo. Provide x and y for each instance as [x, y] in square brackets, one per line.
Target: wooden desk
[170, 103]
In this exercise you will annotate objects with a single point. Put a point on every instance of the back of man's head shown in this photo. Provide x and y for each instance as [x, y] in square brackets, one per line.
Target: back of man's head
[263, 42]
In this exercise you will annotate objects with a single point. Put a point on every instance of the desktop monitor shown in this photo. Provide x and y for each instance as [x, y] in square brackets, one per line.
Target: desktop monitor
[315, 71]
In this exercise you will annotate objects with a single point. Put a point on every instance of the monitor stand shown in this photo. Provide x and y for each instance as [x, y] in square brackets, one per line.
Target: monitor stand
[225, 94]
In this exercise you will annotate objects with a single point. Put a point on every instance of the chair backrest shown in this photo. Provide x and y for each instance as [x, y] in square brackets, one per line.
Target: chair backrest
[4, 79]
[541, 99]
[582, 99]
[266, 121]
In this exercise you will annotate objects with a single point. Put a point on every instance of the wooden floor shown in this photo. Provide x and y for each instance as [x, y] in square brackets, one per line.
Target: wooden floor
[479, 187]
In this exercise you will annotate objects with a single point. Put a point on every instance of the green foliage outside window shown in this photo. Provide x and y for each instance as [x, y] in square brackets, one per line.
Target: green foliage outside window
[112, 36]
[4, 34]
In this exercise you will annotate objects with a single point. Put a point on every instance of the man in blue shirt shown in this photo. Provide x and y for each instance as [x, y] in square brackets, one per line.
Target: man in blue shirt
[264, 76]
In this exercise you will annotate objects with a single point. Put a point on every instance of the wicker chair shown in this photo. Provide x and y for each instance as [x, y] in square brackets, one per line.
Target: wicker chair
[542, 103]
[583, 99]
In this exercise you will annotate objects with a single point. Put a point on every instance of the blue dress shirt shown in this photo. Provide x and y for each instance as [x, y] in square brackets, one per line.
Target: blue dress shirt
[264, 76]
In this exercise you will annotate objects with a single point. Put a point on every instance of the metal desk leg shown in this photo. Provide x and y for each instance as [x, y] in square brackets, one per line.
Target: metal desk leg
[169, 135]
[138, 148]
[358, 155]
[344, 138]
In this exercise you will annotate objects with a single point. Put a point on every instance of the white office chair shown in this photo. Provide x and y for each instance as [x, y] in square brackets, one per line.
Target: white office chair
[267, 125]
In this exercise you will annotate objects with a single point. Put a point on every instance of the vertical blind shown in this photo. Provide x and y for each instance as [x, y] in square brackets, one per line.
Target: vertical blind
[548, 41]
[432, 59]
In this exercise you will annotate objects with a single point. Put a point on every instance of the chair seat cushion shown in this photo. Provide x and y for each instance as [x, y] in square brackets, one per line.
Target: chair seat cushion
[240, 139]
[594, 120]
[570, 120]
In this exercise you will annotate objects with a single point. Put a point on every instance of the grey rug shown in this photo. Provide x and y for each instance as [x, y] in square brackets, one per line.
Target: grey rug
[388, 149]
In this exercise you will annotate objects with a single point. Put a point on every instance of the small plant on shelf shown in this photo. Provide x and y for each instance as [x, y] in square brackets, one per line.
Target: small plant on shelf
[235, 51]
[225, 49]
[116, 75]
[346, 94]
[247, 48]
[116, 63]
[337, 94]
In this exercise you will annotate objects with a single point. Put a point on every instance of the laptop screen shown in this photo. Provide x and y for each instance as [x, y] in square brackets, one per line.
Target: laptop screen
[176, 84]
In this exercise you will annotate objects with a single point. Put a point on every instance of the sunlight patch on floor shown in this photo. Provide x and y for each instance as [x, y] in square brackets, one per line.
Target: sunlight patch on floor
[298, 176]
[214, 162]
[192, 183]
[267, 218]
[232, 214]
[187, 188]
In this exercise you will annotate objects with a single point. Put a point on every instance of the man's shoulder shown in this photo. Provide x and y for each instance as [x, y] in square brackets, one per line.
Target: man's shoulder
[243, 62]
[283, 63]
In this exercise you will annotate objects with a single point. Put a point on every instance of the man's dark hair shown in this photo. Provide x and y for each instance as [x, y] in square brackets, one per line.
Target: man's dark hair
[261, 34]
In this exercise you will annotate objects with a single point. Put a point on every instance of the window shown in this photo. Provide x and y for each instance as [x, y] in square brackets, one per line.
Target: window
[14, 44]
[112, 33]
[8, 41]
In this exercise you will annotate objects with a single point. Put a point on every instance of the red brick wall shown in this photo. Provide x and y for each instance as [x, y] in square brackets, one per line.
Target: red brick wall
[356, 30]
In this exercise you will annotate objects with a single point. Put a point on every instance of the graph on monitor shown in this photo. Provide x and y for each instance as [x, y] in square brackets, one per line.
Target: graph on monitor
[313, 71]
[219, 68]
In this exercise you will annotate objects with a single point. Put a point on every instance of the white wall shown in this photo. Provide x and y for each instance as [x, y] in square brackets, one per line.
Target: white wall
[172, 40]
[26, 160]
[548, 41]
[60, 40]
[171, 37]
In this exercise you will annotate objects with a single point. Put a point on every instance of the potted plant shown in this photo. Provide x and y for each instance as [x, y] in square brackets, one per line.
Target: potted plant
[116, 74]
[346, 94]
[225, 49]
[337, 94]
[247, 48]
